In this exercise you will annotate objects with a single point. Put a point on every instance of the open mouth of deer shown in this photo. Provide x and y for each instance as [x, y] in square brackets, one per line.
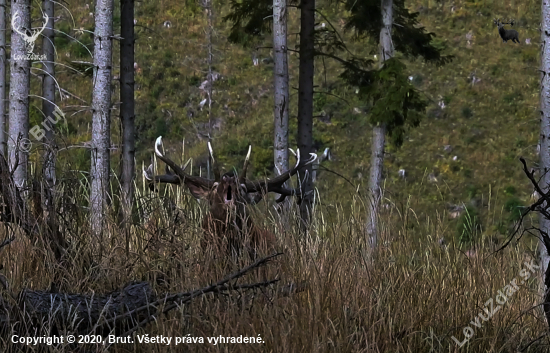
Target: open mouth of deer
[228, 197]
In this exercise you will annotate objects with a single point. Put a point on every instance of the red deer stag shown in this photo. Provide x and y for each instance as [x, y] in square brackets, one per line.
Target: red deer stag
[227, 225]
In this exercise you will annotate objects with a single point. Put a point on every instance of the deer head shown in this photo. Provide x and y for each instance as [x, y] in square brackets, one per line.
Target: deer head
[227, 222]
[29, 40]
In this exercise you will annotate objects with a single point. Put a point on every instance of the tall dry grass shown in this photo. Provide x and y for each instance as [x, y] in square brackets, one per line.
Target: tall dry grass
[414, 297]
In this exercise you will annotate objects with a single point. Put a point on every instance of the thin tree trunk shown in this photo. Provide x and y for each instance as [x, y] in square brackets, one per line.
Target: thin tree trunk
[48, 106]
[127, 113]
[281, 89]
[209, 78]
[19, 93]
[3, 63]
[375, 180]
[49, 109]
[545, 144]
[101, 119]
[48, 93]
[379, 132]
[305, 104]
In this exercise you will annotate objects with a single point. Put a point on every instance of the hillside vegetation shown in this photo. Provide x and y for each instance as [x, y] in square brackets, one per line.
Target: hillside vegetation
[466, 152]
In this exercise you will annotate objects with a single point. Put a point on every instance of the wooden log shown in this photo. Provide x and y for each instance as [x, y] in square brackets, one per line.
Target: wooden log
[96, 314]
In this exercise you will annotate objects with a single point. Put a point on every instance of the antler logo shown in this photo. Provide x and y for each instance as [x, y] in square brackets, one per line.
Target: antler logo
[29, 40]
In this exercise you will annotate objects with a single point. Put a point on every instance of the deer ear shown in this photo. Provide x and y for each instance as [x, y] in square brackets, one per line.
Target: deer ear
[198, 191]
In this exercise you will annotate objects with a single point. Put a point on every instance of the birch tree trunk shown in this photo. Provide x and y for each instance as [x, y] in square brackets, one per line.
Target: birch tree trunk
[305, 104]
[101, 120]
[3, 63]
[379, 132]
[127, 113]
[19, 93]
[544, 223]
[209, 7]
[280, 84]
[48, 105]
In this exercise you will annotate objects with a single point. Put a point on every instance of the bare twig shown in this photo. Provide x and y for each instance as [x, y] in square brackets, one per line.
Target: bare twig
[537, 206]
[73, 95]
[176, 300]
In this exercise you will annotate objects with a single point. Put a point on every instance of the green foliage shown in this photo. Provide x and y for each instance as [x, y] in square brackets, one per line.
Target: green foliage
[83, 45]
[469, 226]
[394, 100]
[417, 80]
[156, 91]
[510, 190]
[530, 55]
[161, 128]
[263, 161]
[116, 20]
[250, 18]
[194, 80]
[512, 99]
[496, 70]
[81, 158]
[85, 69]
[409, 36]
[466, 112]
[515, 207]
[148, 8]
[439, 44]
[236, 147]
[319, 101]
[62, 33]
[472, 191]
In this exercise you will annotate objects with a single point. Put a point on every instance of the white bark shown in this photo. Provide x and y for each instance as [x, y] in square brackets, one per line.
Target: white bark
[3, 63]
[101, 119]
[48, 107]
[379, 133]
[209, 8]
[280, 84]
[127, 113]
[19, 94]
[545, 128]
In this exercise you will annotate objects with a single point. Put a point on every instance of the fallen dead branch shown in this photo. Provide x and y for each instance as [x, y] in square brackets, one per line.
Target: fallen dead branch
[125, 311]
[173, 301]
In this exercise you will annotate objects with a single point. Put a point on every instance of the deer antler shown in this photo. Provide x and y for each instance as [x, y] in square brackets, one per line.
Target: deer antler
[215, 165]
[242, 179]
[276, 184]
[180, 174]
[258, 186]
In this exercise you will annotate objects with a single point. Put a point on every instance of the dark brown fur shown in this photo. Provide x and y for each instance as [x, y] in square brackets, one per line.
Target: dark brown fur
[227, 227]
